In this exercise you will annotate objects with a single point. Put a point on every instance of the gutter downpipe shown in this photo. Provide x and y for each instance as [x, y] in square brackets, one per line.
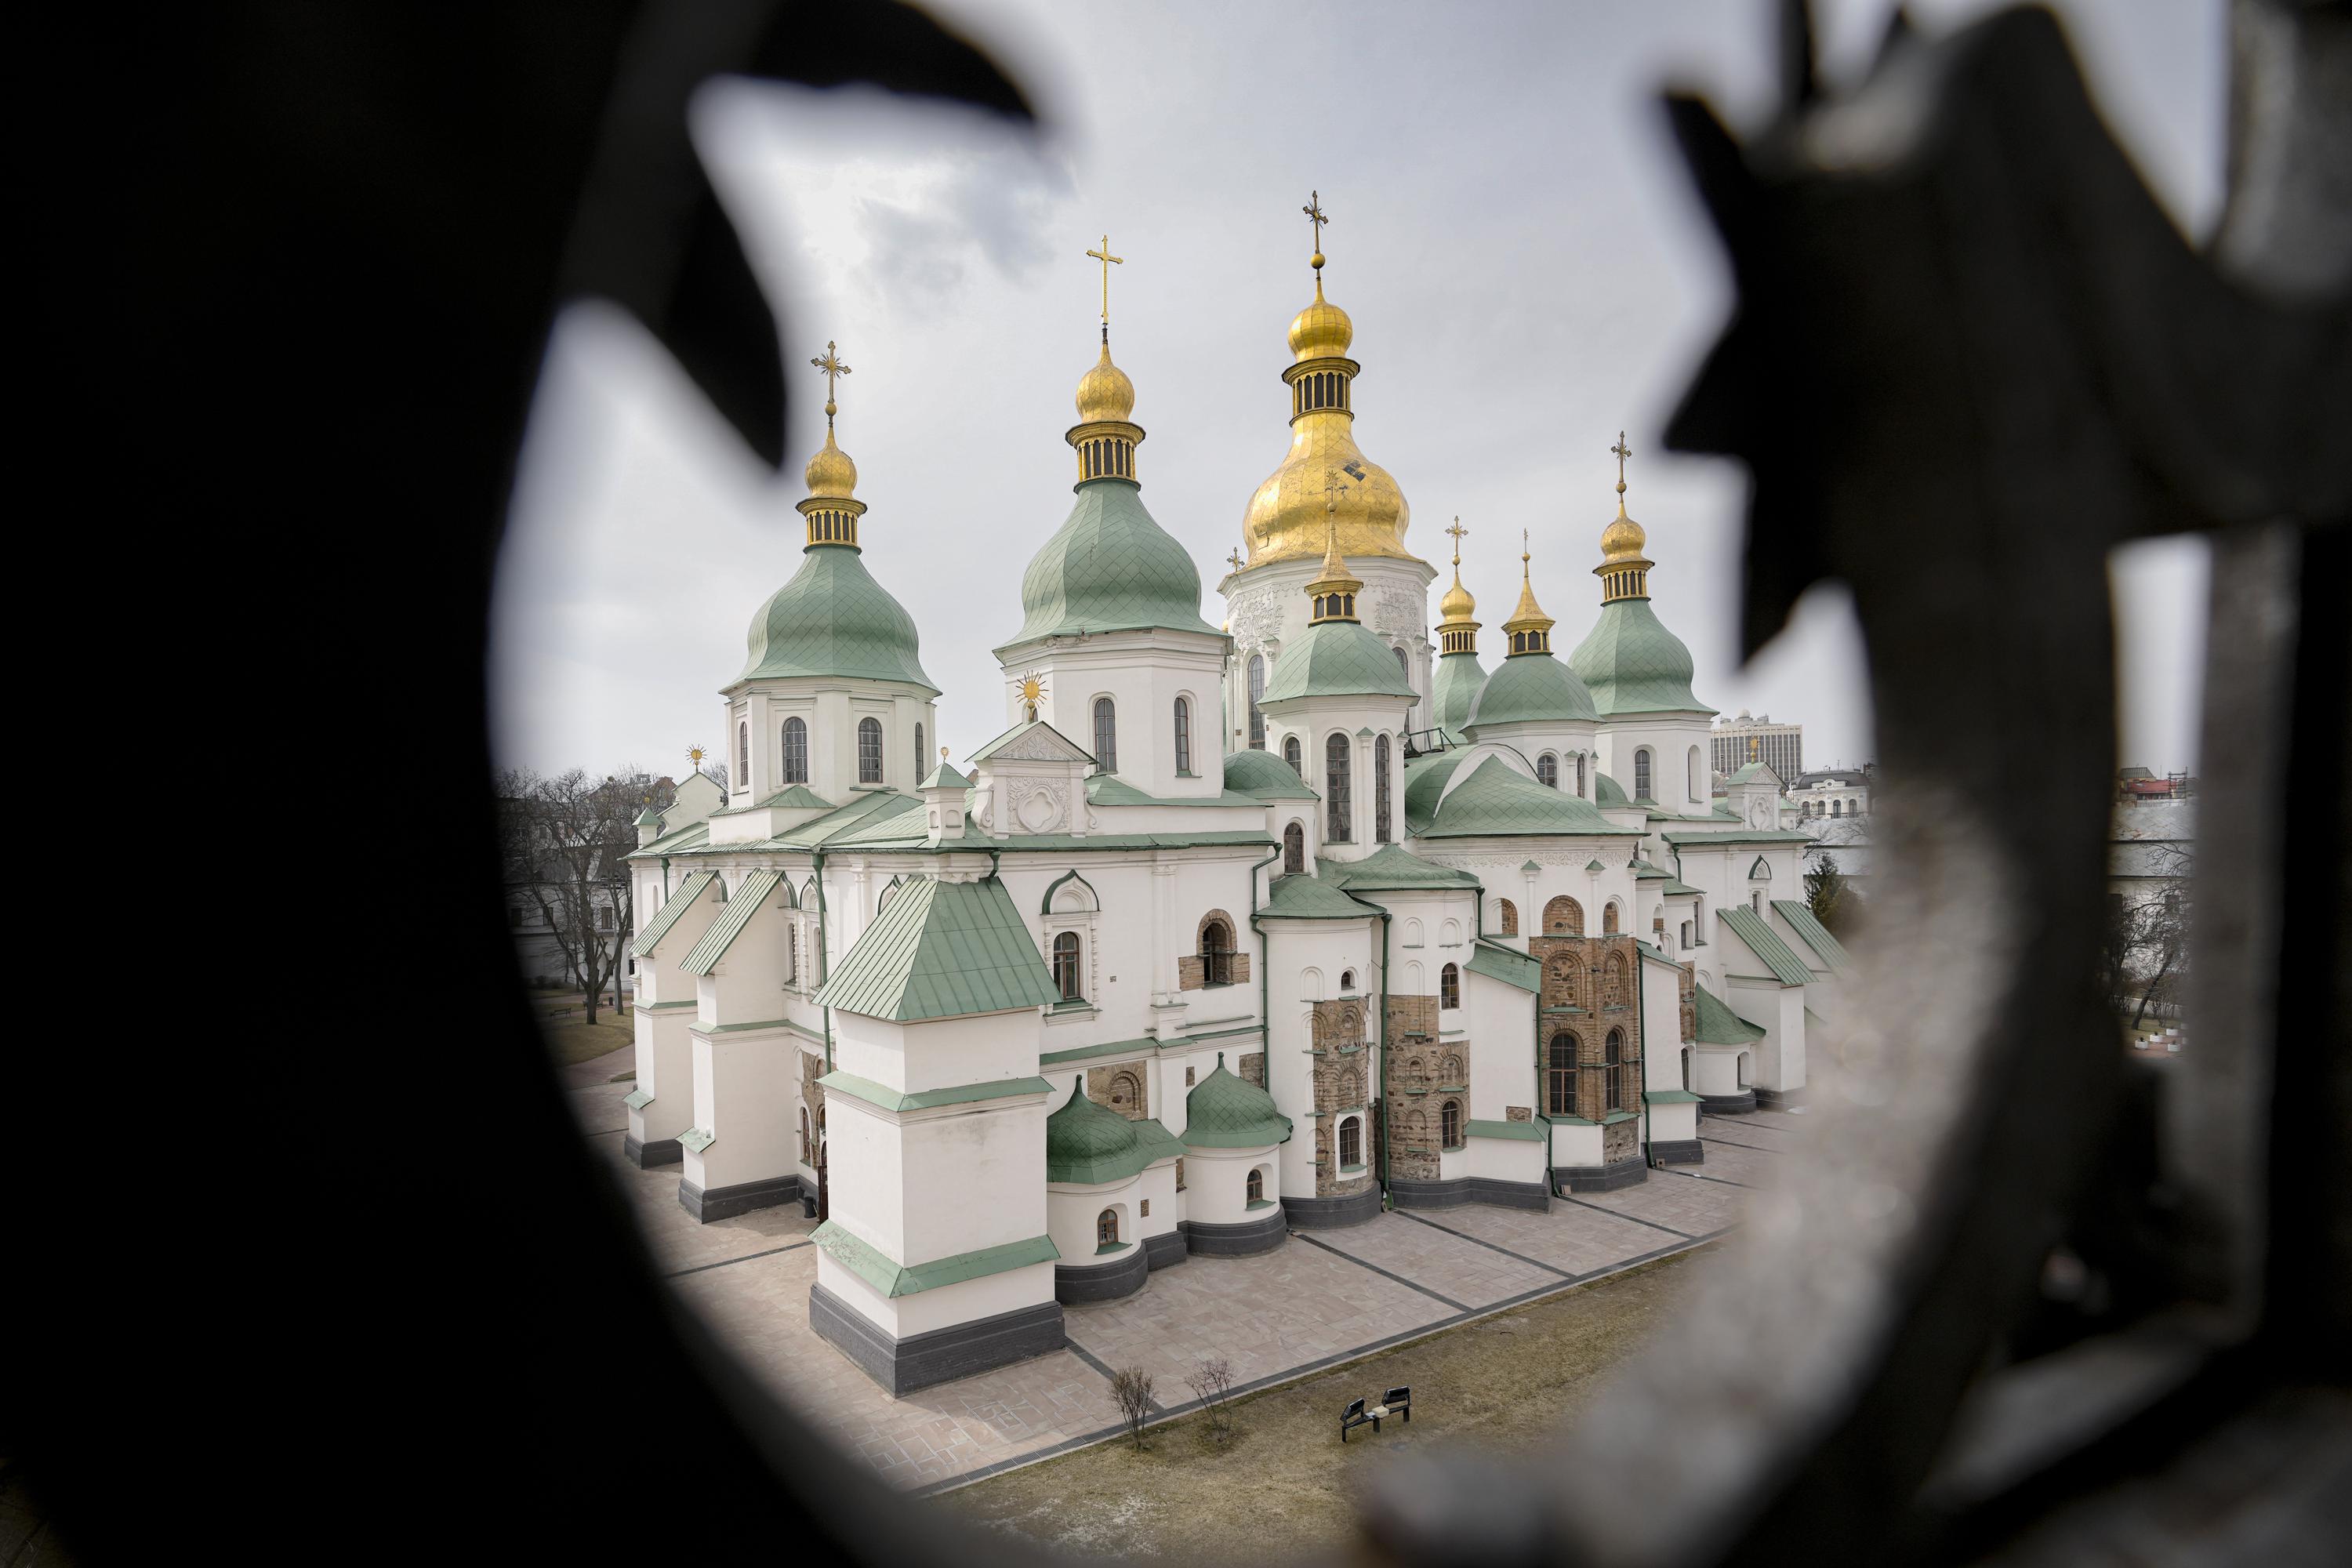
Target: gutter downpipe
[824, 966]
[1265, 973]
[1642, 1052]
[1387, 1133]
[1552, 1182]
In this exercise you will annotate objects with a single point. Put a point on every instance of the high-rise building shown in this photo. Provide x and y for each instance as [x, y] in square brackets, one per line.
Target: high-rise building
[1780, 747]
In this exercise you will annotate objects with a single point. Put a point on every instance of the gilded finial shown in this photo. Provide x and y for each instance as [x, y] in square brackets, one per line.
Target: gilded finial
[1457, 530]
[1529, 628]
[1624, 571]
[1524, 556]
[1318, 217]
[1108, 261]
[1033, 692]
[830, 363]
[1623, 452]
[695, 754]
[1751, 748]
[1234, 559]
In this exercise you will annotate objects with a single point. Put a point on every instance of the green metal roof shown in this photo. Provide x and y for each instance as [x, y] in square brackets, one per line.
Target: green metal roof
[898, 817]
[691, 836]
[941, 949]
[1090, 1144]
[833, 618]
[1808, 925]
[1302, 897]
[796, 798]
[1631, 664]
[1226, 1112]
[1668, 1097]
[651, 818]
[1749, 773]
[1607, 791]
[1266, 776]
[1531, 689]
[1497, 962]
[889, 1099]
[1389, 868]
[1497, 799]
[757, 888]
[1424, 780]
[1109, 789]
[1747, 836]
[659, 926]
[1518, 1132]
[1765, 944]
[944, 777]
[1109, 567]
[1335, 658]
[889, 1277]
[1717, 1025]
[1455, 686]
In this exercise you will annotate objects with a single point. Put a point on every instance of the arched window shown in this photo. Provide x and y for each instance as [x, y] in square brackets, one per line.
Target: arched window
[1686, 933]
[1293, 847]
[1216, 953]
[795, 752]
[1548, 771]
[1346, 980]
[1609, 917]
[1256, 690]
[1613, 1061]
[1696, 779]
[1405, 665]
[1380, 790]
[1449, 1124]
[1642, 774]
[920, 755]
[1580, 773]
[1351, 1142]
[1563, 917]
[1837, 808]
[1107, 734]
[1336, 828]
[743, 756]
[1508, 916]
[1560, 1076]
[869, 751]
[1290, 755]
[792, 952]
[1254, 1190]
[805, 1150]
[1125, 1093]
[1183, 736]
[1065, 966]
[1106, 1229]
[1449, 986]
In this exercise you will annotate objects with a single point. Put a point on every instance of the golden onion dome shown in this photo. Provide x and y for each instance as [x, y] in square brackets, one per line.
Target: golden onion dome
[1322, 330]
[831, 475]
[1456, 605]
[1622, 540]
[1104, 392]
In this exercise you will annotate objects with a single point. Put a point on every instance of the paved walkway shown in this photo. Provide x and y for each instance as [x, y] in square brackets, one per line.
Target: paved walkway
[1322, 1297]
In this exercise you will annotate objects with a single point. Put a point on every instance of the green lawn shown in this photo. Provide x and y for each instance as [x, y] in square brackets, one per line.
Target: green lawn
[577, 1042]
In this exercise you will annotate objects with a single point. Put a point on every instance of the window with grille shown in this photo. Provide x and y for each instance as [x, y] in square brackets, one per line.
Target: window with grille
[1642, 774]
[795, 752]
[1216, 954]
[1351, 1142]
[1066, 967]
[1380, 790]
[1449, 1124]
[1613, 1068]
[1548, 771]
[1337, 804]
[1107, 734]
[1183, 736]
[1290, 755]
[1580, 773]
[1449, 986]
[1293, 847]
[1560, 1076]
[869, 751]
[743, 756]
[920, 755]
[1254, 1190]
[1256, 690]
[1106, 1229]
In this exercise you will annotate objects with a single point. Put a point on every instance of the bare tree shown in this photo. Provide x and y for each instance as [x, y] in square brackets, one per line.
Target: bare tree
[2144, 946]
[1212, 1384]
[1131, 1389]
[564, 842]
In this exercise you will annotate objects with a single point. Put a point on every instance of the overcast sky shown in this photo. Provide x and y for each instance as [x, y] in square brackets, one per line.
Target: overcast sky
[1526, 267]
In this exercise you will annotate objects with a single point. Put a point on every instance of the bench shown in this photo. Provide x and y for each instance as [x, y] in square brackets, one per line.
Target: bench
[1355, 1417]
[1398, 1402]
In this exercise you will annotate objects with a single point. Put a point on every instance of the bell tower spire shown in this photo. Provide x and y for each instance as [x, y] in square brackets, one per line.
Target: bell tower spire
[1624, 572]
[1105, 438]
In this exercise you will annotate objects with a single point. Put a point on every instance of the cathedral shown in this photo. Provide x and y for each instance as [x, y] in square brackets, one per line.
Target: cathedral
[1235, 930]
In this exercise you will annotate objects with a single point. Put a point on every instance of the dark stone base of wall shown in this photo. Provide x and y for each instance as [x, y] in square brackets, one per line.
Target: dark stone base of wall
[918, 1361]
[1123, 1275]
[1738, 1104]
[1331, 1213]
[645, 1156]
[1243, 1239]
[1500, 1193]
[1778, 1099]
[1166, 1248]
[1679, 1152]
[1605, 1178]
[1459, 1190]
[725, 1203]
[1450, 1193]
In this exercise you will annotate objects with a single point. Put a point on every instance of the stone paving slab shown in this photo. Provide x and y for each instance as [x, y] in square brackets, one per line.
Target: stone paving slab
[1473, 1274]
[1679, 1201]
[676, 1240]
[1765, 1120]
[599, 1108]
[1571, 1240]
[1735, 1159]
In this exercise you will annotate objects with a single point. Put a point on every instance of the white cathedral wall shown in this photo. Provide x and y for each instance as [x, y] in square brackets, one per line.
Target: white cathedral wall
[1268, 605]
[1071, 1211]
[946, 1052]
[747, 1096]
[830, 707]
[1306, 960]
[1564, 742]
[1662, 1013]
[1669, 738]
[1501, 1020]
[1143, 673]
[1216, 1181]
[1780, 1011]
[1504, 1159]
[927, 1185]
[1314, 719]
[665, 1061]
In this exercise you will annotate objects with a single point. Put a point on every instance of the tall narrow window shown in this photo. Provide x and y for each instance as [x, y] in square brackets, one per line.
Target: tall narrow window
[791, 954]
[1404, 666]
[1336, 828]
[1696, 779]
[919, 753]
[1548, 771]
[1580, 773]
[1293, 847]
[1351, 1142]
[795, 752]
[1183, 736]
[1560, 1076]
[1449, 986]
[1449, 1124]
[1642, 774]
[743, 756]
[1613, 1059]
[1254, 1190]
[1290, 754]
[869, 753]
[1065, 966]
[1216, 954]
[1256, 690]
[1107, 734]
[1380, 790]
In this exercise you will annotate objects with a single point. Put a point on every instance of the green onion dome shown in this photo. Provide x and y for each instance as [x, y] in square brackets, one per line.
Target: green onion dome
[1110, 567]
[1631, 664]
[1225, 1113]
[1455, 686]
[1086, 1142]
[834, 619]
[1531, 689]
[1335, 659]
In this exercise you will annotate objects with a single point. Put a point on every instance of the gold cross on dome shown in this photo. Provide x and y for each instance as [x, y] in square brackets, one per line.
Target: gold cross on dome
[1234, 560]
[1315, 215]
[830, 363]
[1622, 452]
[1108, 261]
[1457, 530]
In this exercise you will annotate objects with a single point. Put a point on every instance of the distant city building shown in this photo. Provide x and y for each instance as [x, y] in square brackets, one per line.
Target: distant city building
[1832, 793]
[1780, 747]
[2135, 786]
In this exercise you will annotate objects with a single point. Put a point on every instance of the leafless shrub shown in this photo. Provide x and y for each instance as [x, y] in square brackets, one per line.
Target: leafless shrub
[1213, 1384]
[1130, 1387]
